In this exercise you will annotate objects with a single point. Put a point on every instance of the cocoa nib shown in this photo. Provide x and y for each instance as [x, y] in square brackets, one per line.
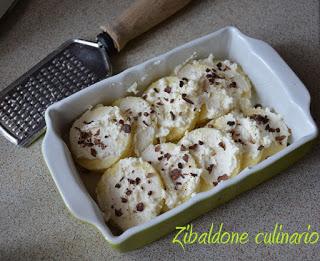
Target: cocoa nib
[268, 128]
[173, 117]
[87, 122]
[222, 145]
[223, 177]
[167, 156]
[233, 85]
[138, 180]
[167, 89]
[175, 174]
[186, 99]
[181, 83]
[185, 157]
[93, 152]
[131, 181]
[118, 212]
[144, 122]
[259, 118]
[200, 142]
[97, 133]
[117, 185]
[210, 168]
[126, 128]
[124, 200]
[258, 105]
[157, 148]
[183, 148]
[194, 175]
[280, 138]
[99, 143]
[140, 206]
[180, 165]
[150, 193]
[260, 147]
[128, 192]
[193, 147]
[231, 123]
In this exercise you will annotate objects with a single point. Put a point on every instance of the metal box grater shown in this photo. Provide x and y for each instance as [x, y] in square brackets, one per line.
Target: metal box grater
[73, 66]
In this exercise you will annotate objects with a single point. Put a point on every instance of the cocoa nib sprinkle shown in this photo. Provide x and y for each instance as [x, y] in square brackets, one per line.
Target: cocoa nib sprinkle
[280, 138]
[180, 165]
[131, 181]
[210, 168]
[260, 147]
[258, 105]
[138, 180]
[193, 147]
[259, 118]
[167, 156]
[124, 200]
[118, 212]
[185, 79]
[173, 116]
[167, 89]
[233, 85]
[200, 142]
[97, 133]
[140, 207]
[149, 192]
[157, 148]
[184, 97]
[144, 122]
[181, 83]
[175, 174]
[231, 123]
[93, 152]
[87, 122]
[268, 128]
[223, 177]
[126, 128]
[156, 90]
[146, 114]
[117, 185]
[194, 175]
[128, 192]
[185, 157]
[222, 145]
[183, 148]
[99, 143]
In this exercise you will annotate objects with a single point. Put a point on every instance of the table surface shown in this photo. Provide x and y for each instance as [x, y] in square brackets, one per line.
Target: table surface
[35, 224]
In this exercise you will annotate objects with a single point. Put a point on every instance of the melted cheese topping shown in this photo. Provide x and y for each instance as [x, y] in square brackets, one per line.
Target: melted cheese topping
[178, 170]
[215, 152]
[130, 193]
[100, 133]
[143, 120]
[176, 103]
[223, 82]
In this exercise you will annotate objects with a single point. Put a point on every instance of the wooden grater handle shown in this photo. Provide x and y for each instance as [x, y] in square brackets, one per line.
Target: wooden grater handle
[140, 17]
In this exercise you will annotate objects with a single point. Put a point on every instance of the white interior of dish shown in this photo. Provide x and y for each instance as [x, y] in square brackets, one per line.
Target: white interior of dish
[275, 84]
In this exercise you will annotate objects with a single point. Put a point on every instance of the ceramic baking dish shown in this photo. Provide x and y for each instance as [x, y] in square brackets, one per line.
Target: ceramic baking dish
[276, 86]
